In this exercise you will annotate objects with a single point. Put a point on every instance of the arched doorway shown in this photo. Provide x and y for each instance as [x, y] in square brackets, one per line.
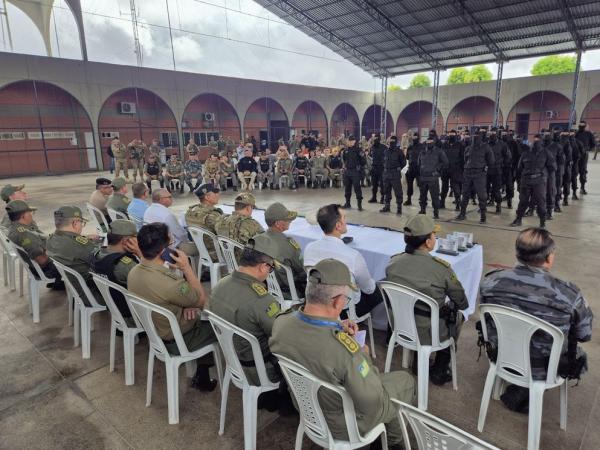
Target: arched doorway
[309, 117]
[266, 122]
[344, 121]
[135, 113]
[591, 114]
[44, 129]
[538, 110]
[210, 115]
[472, 112]
[372, 122]
[416, 117]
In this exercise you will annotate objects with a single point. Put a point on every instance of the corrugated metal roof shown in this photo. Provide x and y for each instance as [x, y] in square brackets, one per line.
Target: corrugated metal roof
[391, 37]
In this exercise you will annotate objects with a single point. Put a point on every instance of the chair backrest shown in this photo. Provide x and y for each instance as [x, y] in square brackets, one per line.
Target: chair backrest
[305, 387]
[433, 433]
[228, 247]
[275, 288]
[515, 329]
[401, 300]
[198, 236]
[72, 278]
[142, 310]
[114, 214]
[98, 218]
[7, 245]
[33, 268]
[105, 286]
[225, 332]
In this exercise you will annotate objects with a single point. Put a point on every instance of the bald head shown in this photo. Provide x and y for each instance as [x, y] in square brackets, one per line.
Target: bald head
[535, 247]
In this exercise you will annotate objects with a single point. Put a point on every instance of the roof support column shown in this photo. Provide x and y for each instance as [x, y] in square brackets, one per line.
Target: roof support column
[434, 102]
[575, 86]
[498, 92]
[383, 119]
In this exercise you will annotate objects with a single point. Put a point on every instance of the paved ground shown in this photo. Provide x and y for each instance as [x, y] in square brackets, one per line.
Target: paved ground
[51, 398]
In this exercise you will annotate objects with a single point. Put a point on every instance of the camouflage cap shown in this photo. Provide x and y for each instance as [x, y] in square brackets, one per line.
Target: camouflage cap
[122, 227]
[205, 189]
[69, 212]
[119, 182]
[246, 199]
[277, 211]
[331, 272]
[421, 225]
[9, 190]
[263, 244]
[15, 206]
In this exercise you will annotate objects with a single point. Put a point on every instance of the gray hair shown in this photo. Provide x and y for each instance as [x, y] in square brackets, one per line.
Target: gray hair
[323, 293]
[157, 194]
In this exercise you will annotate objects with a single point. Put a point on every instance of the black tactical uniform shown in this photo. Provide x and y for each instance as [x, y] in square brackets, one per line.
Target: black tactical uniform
[553, 149]
[393, 163]
[412, 173]
[495, 171]
[432, 161]
[153, 169]
[577, 154]
[354, 162]
[568, 151]
[588, 142]
[560, 170]
[301, 163]
[510, 173]
[453, 176]
[378, 151]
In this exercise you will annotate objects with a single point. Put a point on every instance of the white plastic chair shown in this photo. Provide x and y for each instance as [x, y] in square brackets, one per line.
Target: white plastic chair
[98, 219]
[143, 310]
[35, 280]
[115, 215]
[234, 372]
[283, 178]
[402, 301]
[433, 433]
[515, 329]
[198, 234]
[228, 247]
[305, 387]
[82, 313]
[10, 262]
[117, 322]
[275, 288]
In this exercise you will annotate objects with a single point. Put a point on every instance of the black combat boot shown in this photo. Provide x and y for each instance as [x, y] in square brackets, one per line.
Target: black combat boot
[575, 196]
[498, 209]
[542, 222]
[582, 190]
[373, 200]
[462, 215]
[202, 380]
[443, 203]
[509, 203]
[422, 211]
[482, 218]
[359, 203]
[347, 205]
[439, 372]
[385, 209]
[436, 214]
[407, 202]
[549, 215]
[517, 222]
[399, 210]
[191, 187]
[565, 201]
[557, 208]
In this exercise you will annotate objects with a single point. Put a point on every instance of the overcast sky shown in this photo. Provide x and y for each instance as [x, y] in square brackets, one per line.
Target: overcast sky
[235, 38]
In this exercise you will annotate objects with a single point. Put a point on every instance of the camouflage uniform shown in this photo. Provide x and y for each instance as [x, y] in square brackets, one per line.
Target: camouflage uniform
[192, 149]
[119, 202]
[154, 149]
[174, 171]
[334, 166]
[284, 167]
[204, 216]
[239, 228]
[211, 171]
[120, 152]
[228, 169]
[137, 153]
[193, 169]
[318, 167]
[536, 291]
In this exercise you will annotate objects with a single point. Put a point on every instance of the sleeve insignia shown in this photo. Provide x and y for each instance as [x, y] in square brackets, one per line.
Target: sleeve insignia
[21, 229]
[184, 288]
[442, 261]
[294, 244]
[273, 309]
[126, 200]
[259, 289]
[126, 260]
[350, 344]
[82, 240]
[25, 242]
[364, 369]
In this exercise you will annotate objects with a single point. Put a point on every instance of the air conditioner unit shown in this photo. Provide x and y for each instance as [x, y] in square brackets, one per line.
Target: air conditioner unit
[109, 134]
[551, 114]
[127, 108]
[209, 117]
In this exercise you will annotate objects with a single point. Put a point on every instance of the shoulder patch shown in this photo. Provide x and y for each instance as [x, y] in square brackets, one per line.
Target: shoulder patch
[259, 289]
[126, 260]
[273, 309]
[184, 288]
[126, 200]
[350, 344]
[82, 240]
[442, 261]
[25, 242]
[364, 368]
[294, 244]
[21, 229]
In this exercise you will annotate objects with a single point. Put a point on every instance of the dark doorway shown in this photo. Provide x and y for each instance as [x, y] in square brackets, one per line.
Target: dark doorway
[522, 125]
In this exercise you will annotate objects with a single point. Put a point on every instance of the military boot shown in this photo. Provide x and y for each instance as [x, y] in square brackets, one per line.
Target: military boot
[482, 218]
[582, 190]
[509, 203]
[565, 201]
[439, 372]
[347, 205]
[373, 199]
[542, 222]
[498, 209]
[436, 214]
[385, 209]
[549, 215]
[399, 210]
[408, 202]
[443, 203]
[462, 215]
[359, 203]
[575, 196]
[517, 222]
[422, 211]
[557, 208]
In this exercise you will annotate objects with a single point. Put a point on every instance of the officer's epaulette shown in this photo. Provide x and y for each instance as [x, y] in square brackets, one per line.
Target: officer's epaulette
[82, 240]
[348, 342]
[260, 289]
[126, 260]
[21, 229]
[293, 243]
[219, 210]
[442, 261]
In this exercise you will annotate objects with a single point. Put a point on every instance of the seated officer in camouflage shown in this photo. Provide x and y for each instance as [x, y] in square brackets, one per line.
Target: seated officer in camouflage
[10, 192]
[69, 247]
[205, 215]
[287, 250]
[119, 200]
[530, 287]
[315, 338]
[174, 172]
[117, 259]
[240, 226]
[100, 197]
[418, 270]
[184, 296]
[193, 170]
[24, 232]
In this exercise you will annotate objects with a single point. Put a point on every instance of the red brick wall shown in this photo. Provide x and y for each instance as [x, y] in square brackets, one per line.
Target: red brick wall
[591, 114]
[256, 117]
[372, 122]
[418, 115]
[536, 104]
[226, 120]
[310, 116]
[344, 118]
[472, 111]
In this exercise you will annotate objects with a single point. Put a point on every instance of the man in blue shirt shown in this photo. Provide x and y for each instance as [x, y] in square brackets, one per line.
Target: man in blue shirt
[138, 205]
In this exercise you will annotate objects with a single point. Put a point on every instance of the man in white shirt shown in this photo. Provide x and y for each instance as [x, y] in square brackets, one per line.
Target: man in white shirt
[159, 212]
[332, 220]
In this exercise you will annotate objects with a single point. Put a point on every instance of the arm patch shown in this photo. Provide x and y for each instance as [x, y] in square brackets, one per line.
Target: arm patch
[273, 309]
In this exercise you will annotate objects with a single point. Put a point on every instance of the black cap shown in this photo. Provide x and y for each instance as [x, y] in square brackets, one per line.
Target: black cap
[205, 189]
[103, 182]
[351, 137]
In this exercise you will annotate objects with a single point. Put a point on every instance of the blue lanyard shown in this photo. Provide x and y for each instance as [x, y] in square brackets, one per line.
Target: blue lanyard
[318, 322]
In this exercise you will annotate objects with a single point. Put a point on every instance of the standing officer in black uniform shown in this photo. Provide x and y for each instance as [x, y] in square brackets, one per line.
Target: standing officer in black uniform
[394, 162]
[378, 151]
[478, 156]
[588, 142]
[412, 174]
[494, 175]
[509, 173]
[568, 151]
[553, 149]
[534, 165]
[432, 161]
[576, 154]
[560, 168]
[354, 163]
[453, 176]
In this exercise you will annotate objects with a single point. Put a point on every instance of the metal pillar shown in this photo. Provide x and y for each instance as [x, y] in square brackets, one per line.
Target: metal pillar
[436, 88]
[574, 93]
[498, 92]
[4, 13]
[136, 37]
[383, 120]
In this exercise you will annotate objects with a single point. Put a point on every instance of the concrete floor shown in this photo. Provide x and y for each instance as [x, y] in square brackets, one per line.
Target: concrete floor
[51, 398]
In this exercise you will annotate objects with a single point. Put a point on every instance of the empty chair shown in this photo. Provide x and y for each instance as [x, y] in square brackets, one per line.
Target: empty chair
[305, 387]
[198, 235]
[98, 219]
[513, 365]
[114, 214]
[275, 288]
[10, 262]
[401, 300]
[83, 308]
[228, 247]
[234, 372]
[434, 433]
[143, 311]
[118, 322]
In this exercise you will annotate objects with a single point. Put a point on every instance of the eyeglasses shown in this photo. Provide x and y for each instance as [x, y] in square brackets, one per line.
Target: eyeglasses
[271, 267]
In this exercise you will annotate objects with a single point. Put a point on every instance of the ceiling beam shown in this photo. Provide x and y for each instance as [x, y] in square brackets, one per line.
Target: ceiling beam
[479, 30]
[566, 12]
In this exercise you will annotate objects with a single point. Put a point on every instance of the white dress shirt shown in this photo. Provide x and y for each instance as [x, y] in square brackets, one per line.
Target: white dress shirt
[159, 213]
[333, 247]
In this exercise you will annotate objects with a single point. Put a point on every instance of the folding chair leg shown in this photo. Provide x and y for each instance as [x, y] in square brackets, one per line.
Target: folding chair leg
[149, 377]
[219, 366]
[70, 306]
[390, 353]
[453, 365]
[371, 337]
[12, 274]
[299, 437]
[406, 354]
[34, 296]
[190, 368]
[485, 397]
[173, 391]
[224, 394]
[76, 325]
[536, 401]
[113, 338]
[563, 406]
[129, 350]
[86, 334]
[20, 278]
[423, 378]
[250, 398]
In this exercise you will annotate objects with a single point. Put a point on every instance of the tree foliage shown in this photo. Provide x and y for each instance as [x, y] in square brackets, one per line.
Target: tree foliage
[458, 75]
[553, 64]
[478, 73]
[420, 80]
[394, 88]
